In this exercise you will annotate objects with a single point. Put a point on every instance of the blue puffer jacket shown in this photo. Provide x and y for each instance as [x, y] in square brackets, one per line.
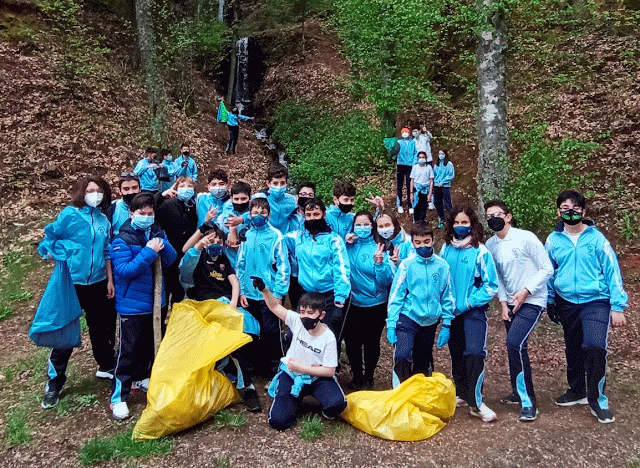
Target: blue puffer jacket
[133, 268]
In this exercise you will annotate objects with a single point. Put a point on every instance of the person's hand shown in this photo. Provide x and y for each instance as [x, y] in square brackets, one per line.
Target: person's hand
[252, 118]
[350, 238]
[294, 365]
[243, 301]
[377, 201]
[391, 336]
[443, 336]
[185, 163]
[505, 313]
[411, 198]
[553, 312]
[618, 319]
[233, 303]
[519, 298]
[231, 243]
[429, 197]
[170, 193]
[258, 283]
[395, 258]
[379, 255]
[152, 166]
[111, 290]
[204, 242]
[234, 221]
[156, 244]
[211, 213]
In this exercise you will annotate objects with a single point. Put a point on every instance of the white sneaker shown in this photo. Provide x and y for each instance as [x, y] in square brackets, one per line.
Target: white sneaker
[120, 411]
[460, 402]
[410, 210]
[485, 413]
[104, 374]
[400, 210]
[142, 385]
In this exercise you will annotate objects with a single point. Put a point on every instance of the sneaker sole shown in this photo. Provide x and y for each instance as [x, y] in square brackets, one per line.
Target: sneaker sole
[528, 419]
[48, 406]
[488, 421]
[603, 421]
[581, 401]
[122, 418]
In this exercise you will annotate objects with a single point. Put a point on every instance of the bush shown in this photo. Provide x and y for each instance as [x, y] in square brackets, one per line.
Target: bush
[541, 171]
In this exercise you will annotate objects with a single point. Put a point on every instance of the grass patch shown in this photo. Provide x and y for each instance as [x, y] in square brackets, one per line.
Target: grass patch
[14, 267]
[226, 418]
[16, 430]
[222, 463]
[311, 427]
[73, 403]
[121, 446]
[34, 365]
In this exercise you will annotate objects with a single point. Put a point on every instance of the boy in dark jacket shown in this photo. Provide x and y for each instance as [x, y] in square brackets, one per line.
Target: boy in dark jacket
[134, 250]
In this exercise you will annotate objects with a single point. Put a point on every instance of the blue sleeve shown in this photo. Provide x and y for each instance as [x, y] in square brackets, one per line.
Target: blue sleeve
[125, 264]
[141, 167]
[451, 173]
[187, 266]
[383, 272]
[168, 255]
[398, 295]
[193, 170]
[281, 283]
[613, 278]
[486, 271]
[243, 117]
[341, 269]
[56, 240]
[447, 301]
[551, 290]
[241, 267]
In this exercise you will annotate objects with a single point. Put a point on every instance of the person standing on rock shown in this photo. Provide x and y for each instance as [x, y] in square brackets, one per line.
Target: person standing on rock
[233, 119]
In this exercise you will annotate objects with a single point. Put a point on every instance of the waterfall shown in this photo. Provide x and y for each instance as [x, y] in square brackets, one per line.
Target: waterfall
[242, 92]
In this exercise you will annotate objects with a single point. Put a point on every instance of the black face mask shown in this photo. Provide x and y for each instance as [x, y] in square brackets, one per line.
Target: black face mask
[186, 154]
[302, 201]
[571, 217]
[314, 226]
[309, 323]
[240, 207]
[496, 224]
[345, 208]
[128, 197]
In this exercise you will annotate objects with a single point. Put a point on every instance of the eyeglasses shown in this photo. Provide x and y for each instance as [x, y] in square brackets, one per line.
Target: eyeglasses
[501, 214]
[125, 175]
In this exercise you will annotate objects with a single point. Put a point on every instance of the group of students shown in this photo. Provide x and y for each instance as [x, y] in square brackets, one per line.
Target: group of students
[346, 275]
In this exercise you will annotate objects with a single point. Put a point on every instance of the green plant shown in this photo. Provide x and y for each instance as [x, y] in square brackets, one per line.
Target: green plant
[16, 430]
[121, 446]
[14, 267]
[542, 169]
[72, 403]
[311, 427]
[226, 418]
[222, 463]
[83, 323]
[630, 227]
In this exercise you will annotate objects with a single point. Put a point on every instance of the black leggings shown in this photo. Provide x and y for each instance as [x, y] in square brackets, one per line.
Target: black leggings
[233, 138]
[362, 331]
[402, 177]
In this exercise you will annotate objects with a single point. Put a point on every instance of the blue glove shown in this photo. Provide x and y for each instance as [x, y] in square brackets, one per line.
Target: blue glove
[391, 336]
[443, 336]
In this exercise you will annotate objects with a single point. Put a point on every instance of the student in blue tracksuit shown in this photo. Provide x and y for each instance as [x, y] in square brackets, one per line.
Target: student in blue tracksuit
[283, 205]
[118, 212]
[133, 252]
[323, 264]
[523, 268]
[84, 231]
[209, 204]
[339, 215]
[475, 282]
[232, 124]
[371, 278]
[165, 178]
[184, 165]
[396, 241]
[420, 297]
[263, 253]
[444, 174]
[235, 218]
[147, 169]
[406, 159]
[585, 296]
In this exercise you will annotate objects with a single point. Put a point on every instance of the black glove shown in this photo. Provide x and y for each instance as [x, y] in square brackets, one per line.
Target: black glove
[553, 313]
[258, 283]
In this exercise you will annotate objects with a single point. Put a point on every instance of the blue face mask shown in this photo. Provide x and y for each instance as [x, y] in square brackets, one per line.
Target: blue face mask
[362, 231]
[185, 193]
[277, 192]
[218, 192]
[142, 222]
[258, 220]
[462, 231]
[425, 252]
[214, 250]
[441, 157]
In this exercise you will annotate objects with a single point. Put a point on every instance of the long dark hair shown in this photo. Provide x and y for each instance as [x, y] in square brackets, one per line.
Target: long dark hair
[445, 161]
[477, 235]
[374, 228]
[77, 199]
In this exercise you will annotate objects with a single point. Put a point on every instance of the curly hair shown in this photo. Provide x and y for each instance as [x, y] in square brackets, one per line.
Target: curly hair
[80, 189]
[477, 232]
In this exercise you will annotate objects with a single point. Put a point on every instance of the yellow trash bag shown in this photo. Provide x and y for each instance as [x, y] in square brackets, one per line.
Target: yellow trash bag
[185, 389]
[412, 411]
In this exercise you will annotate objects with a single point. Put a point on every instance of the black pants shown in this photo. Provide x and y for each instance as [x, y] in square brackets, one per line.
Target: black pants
[402, 177]
[173, 288]
[295, 292]
[442, 200]
[413, 353]
[362, 331]
[334, 318]
[233, 138]
[101, 319]
[264, 353]
[420, 212]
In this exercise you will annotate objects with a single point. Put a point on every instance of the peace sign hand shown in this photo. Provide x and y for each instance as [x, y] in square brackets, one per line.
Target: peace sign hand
[379, 255]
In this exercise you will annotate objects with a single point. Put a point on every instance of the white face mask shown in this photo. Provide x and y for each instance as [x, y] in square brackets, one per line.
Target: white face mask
[93, 199]
[422, 161]
[386, 233]
[405, 135]
[415, 134]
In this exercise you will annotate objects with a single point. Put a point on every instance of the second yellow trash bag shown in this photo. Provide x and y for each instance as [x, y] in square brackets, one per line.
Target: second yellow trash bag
[412, 411]
[185, 389]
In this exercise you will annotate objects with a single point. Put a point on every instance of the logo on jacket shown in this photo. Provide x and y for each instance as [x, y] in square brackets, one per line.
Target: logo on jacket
[435, 277]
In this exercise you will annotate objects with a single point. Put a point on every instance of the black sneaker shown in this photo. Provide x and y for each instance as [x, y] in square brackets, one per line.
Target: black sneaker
[251, 400]
[356, 383]
[367, 383]
[528, 414]
[50, 399]
[569, 399]
[604, 415]
[512, 399]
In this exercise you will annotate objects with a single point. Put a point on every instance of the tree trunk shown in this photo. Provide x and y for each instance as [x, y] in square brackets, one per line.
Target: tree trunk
[153, 79]
[387, 117]
[492, 104]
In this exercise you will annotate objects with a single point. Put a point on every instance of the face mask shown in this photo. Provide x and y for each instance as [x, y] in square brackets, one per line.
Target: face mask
[386, 233]
[462, 231]
[314, 226]
[415, 134]
[185, 193]
[302, 201]
[571, 217]
[496, 224]
[258, 220]
[362, 231]
[277, 192]
[142, 222]
[218, 192]
[240, 207]
[214, 250]
[93, 199]
[441, 157]
[405, 135]
[422, 161]
[345, 208]
[128, 197]
[309, 323]
[425, 252]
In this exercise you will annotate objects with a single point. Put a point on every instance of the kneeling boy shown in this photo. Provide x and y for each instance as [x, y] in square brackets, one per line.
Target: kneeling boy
[311, 361]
